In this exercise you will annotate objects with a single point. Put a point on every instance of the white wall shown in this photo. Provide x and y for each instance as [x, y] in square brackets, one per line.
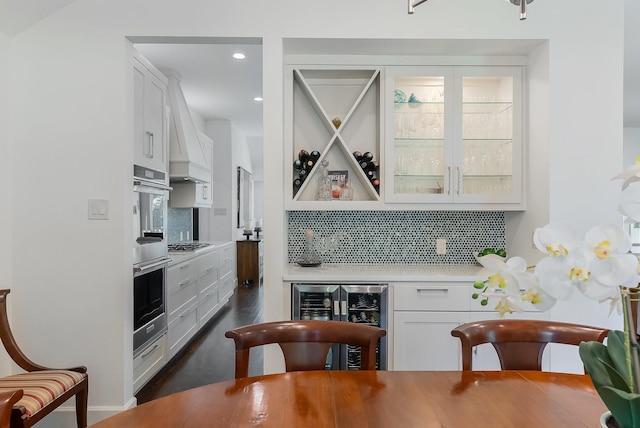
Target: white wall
[631, 145]
[71, 96]
[6, 184]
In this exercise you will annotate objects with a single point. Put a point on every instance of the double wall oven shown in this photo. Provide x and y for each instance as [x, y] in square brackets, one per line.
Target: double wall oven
[150, 256]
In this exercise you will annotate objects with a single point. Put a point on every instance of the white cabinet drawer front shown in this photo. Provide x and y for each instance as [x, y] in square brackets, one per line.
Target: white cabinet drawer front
[432, 297]
[181, 329]
[207, 306]
[185, 296]
[207, 279]
[226, 289]
[208, 261]
[226, 261]
[179, 275]
[149, 362]
[423, 341]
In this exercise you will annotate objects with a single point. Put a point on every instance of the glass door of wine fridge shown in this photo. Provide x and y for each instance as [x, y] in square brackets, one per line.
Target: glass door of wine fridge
[362, 304]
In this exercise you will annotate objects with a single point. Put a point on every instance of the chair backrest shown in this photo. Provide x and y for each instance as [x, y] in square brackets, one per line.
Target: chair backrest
[305, 343]
[520, 343]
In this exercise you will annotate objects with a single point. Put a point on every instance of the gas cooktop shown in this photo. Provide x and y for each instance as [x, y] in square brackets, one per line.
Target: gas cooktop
[186, 246]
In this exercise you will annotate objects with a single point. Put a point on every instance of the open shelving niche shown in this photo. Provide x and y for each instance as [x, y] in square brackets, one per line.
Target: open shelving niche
[319, 96]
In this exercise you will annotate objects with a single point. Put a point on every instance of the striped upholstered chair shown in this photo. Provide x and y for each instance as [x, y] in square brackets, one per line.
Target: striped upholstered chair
[32, 395]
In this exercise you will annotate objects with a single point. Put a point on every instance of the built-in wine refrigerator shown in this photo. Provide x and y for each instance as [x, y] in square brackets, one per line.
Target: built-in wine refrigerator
[363, 304]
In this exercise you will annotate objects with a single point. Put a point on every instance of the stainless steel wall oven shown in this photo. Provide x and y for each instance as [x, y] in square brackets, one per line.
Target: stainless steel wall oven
[150, 256]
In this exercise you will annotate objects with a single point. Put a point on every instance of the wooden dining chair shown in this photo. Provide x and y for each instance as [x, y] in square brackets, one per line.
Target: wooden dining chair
[520, 343]
[28, 397]
[305, 343]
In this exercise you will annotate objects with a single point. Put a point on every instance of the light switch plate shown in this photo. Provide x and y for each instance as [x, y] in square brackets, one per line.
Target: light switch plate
[98, 209]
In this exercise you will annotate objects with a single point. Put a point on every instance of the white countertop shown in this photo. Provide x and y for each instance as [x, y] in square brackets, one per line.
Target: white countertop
[182, 256]
[386, 273]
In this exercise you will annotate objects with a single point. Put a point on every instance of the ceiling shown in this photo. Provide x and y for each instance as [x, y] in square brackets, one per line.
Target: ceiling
[218, 87]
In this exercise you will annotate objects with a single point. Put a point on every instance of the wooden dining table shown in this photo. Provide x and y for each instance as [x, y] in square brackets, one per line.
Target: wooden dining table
[360, 399]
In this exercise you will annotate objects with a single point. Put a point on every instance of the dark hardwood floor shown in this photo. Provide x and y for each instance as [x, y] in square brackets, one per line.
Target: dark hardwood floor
[209, 357]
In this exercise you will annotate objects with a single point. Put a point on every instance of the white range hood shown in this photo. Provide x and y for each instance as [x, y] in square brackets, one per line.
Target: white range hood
[187, 159]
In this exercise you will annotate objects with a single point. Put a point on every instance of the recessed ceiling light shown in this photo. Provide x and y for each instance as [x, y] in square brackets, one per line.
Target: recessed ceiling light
[257, 99]
[239, 55]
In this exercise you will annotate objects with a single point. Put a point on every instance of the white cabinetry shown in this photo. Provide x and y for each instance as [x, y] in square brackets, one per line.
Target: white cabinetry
[150, 116]
[423, 316]
[454, 136]
[149, 362]
[188, 194]
[197, 289]
[182, 302]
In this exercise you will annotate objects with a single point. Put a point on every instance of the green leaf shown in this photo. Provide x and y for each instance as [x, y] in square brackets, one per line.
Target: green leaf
[478, 284]
[617, 351]
[599, 365]
[624, 406]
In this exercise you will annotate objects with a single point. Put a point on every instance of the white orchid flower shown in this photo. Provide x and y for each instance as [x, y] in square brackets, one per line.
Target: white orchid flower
[630, 202]
[555, 240]
[610, 262]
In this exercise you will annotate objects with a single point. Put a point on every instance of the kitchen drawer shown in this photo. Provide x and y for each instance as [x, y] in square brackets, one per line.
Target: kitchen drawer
[149, 362]
[179, 275]
[182, 297]
[226, 290]
[226, 261]
[207, 306]
[208, 272]
[431, 296]
[182, 328]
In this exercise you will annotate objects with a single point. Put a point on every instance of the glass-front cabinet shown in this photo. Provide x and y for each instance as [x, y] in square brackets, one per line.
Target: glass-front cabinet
[454, 135]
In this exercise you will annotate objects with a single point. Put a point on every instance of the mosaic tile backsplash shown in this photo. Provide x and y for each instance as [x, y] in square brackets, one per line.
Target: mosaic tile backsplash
[395, 237]
[179, 220]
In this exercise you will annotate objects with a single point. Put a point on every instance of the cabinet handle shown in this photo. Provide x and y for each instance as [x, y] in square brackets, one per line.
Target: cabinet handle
[146, 354]
[336, 308]
[185, 282]
[432, 290]
[184, 266]
[459, 180]
[449, 186]
[344, 307]
[150, 140]
[204, 192]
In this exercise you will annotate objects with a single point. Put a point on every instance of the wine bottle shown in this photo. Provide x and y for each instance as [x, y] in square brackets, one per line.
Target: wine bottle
[357, 155]
[296, 185]
[314, 155]
[369, 166]
[297, 164]
[367, 156]
[309, 165]
[302, 174]
[303, 155]
[376, 184]
[371, 174]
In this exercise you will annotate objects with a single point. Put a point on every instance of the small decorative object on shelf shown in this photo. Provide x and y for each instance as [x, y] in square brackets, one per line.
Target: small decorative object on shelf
[324, 182]
[338, 181]
[247, 229]
[347, 191]
[309, 257]
[258, 228]
[336, 122]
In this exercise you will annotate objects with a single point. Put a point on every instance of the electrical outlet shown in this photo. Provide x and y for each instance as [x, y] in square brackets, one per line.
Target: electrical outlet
[441, 246]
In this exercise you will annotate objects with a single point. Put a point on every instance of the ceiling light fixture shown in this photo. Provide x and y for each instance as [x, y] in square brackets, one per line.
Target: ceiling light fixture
[239, 55]
[522, 3]
[257, 99]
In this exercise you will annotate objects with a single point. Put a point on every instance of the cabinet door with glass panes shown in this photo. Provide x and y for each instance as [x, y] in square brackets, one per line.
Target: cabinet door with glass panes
[454, 135]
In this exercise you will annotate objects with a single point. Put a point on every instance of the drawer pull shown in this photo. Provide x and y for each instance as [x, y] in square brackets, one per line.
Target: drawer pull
[336, 308]
[185, 282]
[185, 266]
[432, 290]
[146, 354]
